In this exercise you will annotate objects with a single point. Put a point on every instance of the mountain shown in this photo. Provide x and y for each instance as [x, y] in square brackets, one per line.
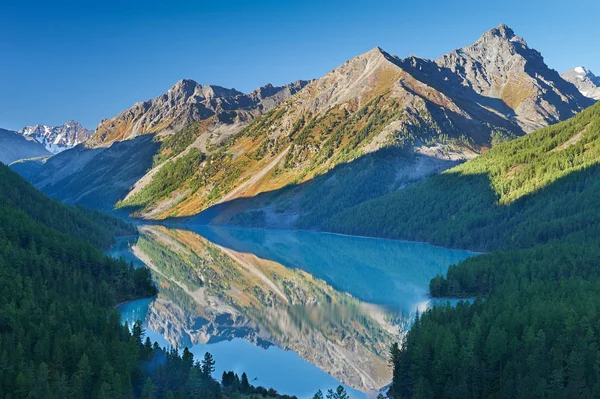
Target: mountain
[138, 141]
[14, 147]
[453, 108]
[501, 65]
[372, 125]
[187, 102]
[587, 83]
[58, 138]
[522, 193]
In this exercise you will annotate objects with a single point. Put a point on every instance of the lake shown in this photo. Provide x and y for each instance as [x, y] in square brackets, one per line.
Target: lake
[296, 310]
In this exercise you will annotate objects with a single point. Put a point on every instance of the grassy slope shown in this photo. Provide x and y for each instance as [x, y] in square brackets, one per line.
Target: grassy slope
[312, 146]
[527, 191]
[533, 336]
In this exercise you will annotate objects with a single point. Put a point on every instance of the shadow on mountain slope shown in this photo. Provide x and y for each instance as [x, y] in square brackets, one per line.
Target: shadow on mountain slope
[307, 204]
[96, 177]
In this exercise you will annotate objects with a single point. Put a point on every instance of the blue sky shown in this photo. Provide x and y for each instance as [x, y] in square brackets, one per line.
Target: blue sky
[88, 60]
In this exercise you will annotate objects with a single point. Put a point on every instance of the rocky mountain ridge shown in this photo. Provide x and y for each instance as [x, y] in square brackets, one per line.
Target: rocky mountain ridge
[216, 145]
[187, 102]
[58, 138]
[585, 80]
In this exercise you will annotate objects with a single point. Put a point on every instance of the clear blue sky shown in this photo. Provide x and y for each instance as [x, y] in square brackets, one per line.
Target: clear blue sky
[88, 60]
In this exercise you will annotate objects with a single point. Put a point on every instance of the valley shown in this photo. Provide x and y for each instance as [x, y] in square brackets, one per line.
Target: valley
[399, 228]
[265, 155]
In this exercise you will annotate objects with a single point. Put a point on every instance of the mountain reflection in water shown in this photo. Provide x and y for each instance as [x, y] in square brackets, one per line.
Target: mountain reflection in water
[336, 301]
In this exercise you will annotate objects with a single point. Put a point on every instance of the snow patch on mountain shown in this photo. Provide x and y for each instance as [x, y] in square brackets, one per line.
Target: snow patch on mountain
[58, 138]
[585, 81]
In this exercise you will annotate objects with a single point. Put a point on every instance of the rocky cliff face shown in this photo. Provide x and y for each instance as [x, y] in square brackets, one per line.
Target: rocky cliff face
[187, 102]
[500, 65]
[58, 138]
[585, 81]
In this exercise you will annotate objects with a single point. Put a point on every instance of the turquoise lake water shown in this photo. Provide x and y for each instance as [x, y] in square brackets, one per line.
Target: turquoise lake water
[297, 311]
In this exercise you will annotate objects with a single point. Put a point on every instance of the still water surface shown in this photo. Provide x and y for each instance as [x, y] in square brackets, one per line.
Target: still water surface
[297, 311]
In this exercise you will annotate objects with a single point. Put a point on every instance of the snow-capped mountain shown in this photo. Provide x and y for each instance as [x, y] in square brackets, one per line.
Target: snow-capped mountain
[58, 138]
[587, 83]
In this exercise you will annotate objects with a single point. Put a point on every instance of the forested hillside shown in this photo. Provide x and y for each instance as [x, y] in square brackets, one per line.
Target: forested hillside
[524, 192]
[531, 332]
[92, 226]
[58, 329]
[60, 336]
[534, 335]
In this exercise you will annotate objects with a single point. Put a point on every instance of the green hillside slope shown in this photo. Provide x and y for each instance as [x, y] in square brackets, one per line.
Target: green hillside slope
[527, 191]
[532, 331]
[60, 336]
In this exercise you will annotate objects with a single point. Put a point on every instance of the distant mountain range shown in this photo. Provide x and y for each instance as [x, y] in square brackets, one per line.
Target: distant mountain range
[58, 138]
[396, 120]
[587, 83]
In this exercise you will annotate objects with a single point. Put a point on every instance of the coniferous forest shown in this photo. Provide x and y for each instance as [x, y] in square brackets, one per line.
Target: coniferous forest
[60, 335]
[532, 329]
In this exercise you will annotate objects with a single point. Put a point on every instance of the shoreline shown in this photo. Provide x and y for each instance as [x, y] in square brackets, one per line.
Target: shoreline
[191, 225]
[131, 300]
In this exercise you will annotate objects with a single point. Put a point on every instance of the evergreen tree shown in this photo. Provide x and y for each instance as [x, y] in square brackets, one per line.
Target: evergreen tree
[208, 365]
[339, 393]
[148, 390]
[244, 384]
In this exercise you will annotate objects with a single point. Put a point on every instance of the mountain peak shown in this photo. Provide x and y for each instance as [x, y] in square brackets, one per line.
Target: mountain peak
[500, 65]
[378, 52]
[502, 31]
[185, 87]
[57, 138]
[586, 82]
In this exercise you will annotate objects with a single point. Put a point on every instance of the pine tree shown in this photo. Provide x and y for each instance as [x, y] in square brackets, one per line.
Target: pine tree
[148, 390]
[244, 385]
[208, 365]
[339, 393]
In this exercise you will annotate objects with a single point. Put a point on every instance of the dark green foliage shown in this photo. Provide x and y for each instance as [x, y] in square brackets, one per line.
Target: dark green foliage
[534, 335]
[578, 257]
[256, 218]
[233, 386]
[519, 194]
[91, 226]
[368, 177]
[339, 393]
[60, 335]
[208, 365]
[58, 327]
